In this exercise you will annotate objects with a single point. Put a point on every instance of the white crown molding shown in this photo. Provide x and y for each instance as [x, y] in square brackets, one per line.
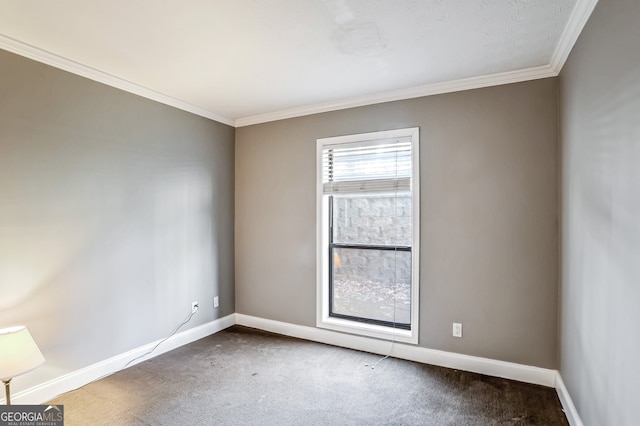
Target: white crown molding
[76, 379]
[578, 19]
[508, 370]
[567, 403]
[40, 55]
[409, 93]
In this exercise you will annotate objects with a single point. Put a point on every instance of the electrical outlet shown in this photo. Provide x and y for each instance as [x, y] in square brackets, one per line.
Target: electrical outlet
[216, 302]
[457, 329]
[194, 307]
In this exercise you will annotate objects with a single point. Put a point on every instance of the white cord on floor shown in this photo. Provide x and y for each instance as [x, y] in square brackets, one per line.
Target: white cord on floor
[163, 340]
[381, 359]
[188, 318]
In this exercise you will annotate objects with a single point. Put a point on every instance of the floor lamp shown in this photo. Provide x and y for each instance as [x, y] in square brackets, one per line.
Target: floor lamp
[19, 354]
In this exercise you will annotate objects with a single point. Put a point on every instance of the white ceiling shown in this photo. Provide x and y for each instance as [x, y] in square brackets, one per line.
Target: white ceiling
[247, 61]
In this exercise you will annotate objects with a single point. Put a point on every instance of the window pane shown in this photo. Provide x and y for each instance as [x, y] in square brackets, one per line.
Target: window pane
[373, 219]
[372, 284]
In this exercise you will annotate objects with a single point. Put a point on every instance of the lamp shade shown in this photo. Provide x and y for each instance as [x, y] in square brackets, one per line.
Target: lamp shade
[19, 354]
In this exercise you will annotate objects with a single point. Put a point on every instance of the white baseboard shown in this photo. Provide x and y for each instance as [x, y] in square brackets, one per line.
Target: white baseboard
[567, 403]
[48, 390]
[507, 370]
[524, 373]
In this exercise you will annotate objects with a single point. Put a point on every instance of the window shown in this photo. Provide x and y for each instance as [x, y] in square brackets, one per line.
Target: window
[368, 227]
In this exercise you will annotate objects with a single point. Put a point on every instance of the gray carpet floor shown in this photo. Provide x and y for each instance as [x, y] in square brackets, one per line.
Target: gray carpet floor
[242, 376]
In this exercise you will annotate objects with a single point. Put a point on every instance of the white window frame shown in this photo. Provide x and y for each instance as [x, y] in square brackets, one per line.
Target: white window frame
[323, 319]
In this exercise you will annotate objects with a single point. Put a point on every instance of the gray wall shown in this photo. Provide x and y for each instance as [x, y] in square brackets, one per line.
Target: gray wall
[489, 237]
[600, 318]
[115, 213]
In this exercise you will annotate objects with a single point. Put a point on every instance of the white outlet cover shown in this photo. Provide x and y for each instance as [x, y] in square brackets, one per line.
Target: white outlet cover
[457, 329]
[216, 302]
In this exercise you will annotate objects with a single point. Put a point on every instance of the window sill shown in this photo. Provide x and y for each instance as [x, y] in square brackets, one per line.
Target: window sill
[369, 330]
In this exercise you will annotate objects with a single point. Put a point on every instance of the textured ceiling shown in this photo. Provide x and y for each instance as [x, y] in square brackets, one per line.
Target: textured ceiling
[239, 59]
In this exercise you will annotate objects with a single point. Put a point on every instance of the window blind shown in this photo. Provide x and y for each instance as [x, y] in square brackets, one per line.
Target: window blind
[371, 166]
